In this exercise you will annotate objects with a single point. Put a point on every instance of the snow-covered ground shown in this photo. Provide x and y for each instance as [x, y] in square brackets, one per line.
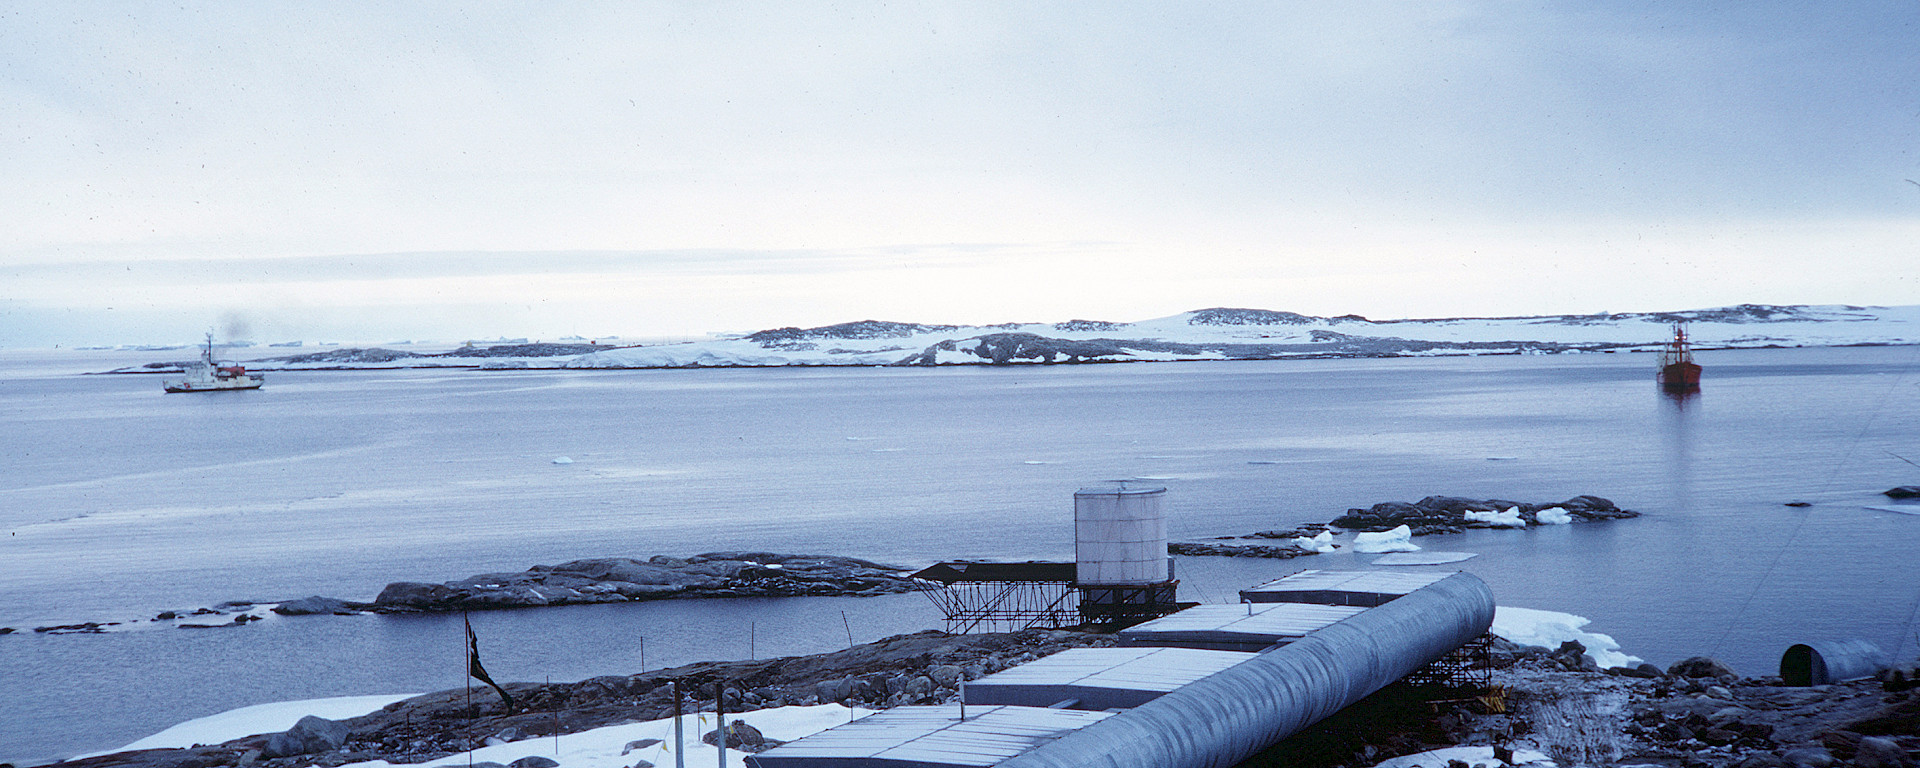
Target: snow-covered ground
[1208, 334]
[260, 718]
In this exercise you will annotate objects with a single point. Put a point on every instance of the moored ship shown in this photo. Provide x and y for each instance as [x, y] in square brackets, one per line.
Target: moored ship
[1678, 371]
[205, 375]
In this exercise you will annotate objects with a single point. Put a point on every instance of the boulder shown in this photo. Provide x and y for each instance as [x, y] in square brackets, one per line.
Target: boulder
[312, 734]
[1808, 757]
[1699, 666]
[534, 761]
[1904, 492]
[309, 606]
[742, 737]
[1880, 752]
[637, 744]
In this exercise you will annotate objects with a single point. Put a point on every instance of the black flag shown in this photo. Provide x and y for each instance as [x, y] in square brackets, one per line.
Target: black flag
[474, 670]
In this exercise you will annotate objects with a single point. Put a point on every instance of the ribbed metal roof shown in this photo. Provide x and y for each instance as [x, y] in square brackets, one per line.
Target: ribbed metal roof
[929, 736]
[1100, 678]
[1147, 669]
[1238, 627]
[1364, 588]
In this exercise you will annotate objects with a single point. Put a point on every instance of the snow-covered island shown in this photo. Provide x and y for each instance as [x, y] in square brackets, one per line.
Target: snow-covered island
[1207, 334]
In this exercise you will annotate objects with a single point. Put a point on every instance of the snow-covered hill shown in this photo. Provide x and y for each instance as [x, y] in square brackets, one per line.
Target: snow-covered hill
[1208, 334]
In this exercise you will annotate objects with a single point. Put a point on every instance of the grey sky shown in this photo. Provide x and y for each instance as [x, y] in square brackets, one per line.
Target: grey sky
[377, 170]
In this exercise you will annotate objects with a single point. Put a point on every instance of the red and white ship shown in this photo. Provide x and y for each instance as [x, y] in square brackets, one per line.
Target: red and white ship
[205, 375]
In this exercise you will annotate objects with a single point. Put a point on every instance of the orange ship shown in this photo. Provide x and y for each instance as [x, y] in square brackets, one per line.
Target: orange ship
[1678, 371]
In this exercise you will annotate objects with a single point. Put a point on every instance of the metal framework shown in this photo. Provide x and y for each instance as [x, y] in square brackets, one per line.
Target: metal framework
[1469, 667]
[1002, 597]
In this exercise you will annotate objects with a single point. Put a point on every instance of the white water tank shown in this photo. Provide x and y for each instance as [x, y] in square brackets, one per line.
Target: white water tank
[1120, 534]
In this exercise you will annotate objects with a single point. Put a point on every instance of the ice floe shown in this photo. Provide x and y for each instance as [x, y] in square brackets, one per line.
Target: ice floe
[1506, 519]
[1397, 540]
[1553, 516]
[1322, 544]
[1548, 629]
[563, 460]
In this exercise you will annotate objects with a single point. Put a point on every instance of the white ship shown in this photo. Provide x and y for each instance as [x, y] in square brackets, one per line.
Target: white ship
[205, 375]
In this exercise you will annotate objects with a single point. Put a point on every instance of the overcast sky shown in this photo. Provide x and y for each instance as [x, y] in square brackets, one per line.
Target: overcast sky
[376, 171]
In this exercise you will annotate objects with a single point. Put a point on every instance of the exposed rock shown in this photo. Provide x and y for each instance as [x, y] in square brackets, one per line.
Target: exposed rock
[534, 761]
[1699, 666]
[612, 580]
[1217, 549]
[742, 737]
[1447, 514]
[1880, 752]
[637, 744]
[1904, 492]
[311, 734]
[316, 604]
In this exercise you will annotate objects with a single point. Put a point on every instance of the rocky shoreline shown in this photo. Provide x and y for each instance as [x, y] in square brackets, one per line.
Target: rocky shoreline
[1694, 714]
[578, 582]
[1426, 517]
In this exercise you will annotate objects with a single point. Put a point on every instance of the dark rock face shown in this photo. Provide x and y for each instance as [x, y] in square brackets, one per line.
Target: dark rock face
[375, 355]
[1447, 514]
[742, 737]
[534, 761]
[1904, 492]
[308, 606]
[525, 350]
[620, 579]
[861, 329]
[1227, 316]
[310, 735]
[1214, 549]
[1088, 326]
[1699, 666]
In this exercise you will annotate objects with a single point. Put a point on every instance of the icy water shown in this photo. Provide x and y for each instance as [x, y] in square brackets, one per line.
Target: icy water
[118, 502]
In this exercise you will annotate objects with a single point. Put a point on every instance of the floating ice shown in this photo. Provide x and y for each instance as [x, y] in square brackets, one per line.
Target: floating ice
[1423, 558]
[1503, 458]
[563, 460]
[1548, 629]
[1507, 519]
[1263, 462]
[259, 718]
[1553, 516]
[1397, 540]
[1322, 543]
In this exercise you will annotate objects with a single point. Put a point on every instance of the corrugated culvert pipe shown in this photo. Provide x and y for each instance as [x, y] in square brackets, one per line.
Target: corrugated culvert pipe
[1832, 661]
[1225, 718]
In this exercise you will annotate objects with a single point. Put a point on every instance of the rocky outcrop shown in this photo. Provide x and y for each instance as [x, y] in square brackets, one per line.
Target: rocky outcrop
[1448, 514]
[1903, 492]
[312, 734]
[620, 579]
[1223, 549]
[309, 606]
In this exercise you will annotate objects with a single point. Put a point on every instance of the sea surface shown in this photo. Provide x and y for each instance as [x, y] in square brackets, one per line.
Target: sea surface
[118, 502]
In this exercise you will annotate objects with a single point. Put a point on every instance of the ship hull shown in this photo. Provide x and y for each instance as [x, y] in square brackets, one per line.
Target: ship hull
[1680, 377]
[178, 387]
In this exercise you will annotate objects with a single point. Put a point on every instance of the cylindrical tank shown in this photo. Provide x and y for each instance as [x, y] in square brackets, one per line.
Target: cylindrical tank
[1831, 661]
[1120, 534]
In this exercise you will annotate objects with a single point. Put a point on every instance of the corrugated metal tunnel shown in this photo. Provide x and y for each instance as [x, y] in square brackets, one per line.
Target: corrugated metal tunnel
[1832, 661]
[1229, 716]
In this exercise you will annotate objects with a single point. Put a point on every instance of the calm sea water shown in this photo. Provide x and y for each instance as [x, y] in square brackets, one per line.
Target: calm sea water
[118, 502]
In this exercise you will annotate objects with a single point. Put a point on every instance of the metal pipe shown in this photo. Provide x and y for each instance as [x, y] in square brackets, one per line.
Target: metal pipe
[1227, 717]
